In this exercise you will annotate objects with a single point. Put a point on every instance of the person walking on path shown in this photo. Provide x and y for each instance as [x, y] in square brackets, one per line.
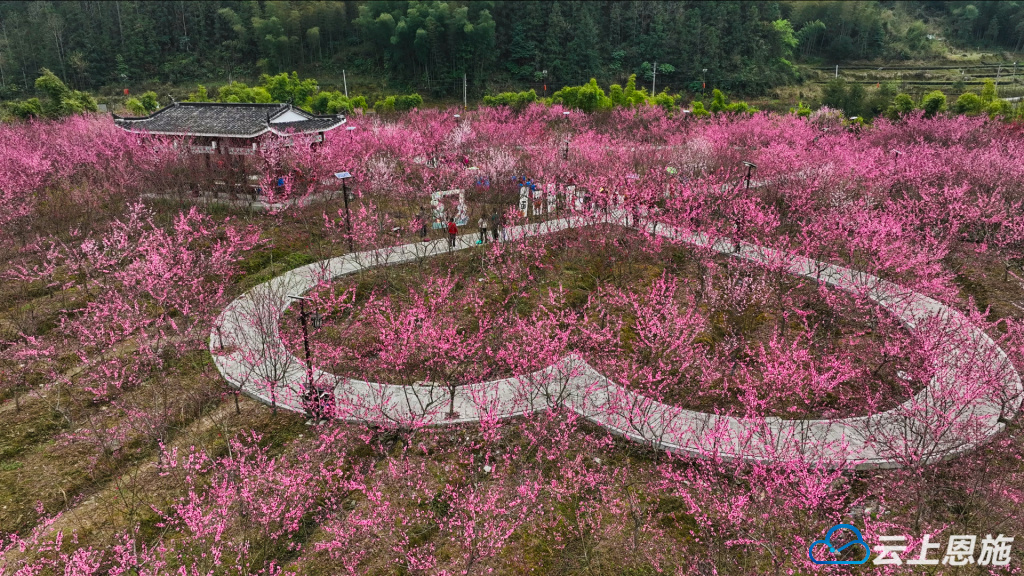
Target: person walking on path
[482, 225]
[495, 224]
[423, 224]
[502, 223]
[453, 231]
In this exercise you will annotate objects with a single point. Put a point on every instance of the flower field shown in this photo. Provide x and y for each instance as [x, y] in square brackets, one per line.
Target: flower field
[153, 372]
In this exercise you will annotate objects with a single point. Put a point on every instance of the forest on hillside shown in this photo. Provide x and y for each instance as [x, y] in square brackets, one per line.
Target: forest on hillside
[428, 46]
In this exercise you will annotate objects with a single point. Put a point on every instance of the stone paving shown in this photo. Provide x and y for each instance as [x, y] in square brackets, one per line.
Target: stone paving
[975, 391]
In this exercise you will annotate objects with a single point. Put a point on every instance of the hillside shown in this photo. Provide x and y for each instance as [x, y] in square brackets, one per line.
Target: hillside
[742, 47]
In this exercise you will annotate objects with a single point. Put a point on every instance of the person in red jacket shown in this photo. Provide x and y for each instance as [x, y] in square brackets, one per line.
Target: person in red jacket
[453, 231]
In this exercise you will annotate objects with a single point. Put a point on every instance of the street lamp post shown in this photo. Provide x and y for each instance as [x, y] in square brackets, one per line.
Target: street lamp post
[703, 84]
[348, 219]
[750, 168]
[544, 74]
[312, 396]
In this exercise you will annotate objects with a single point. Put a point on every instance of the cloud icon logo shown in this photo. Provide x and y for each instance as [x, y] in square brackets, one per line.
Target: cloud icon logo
[827, 541]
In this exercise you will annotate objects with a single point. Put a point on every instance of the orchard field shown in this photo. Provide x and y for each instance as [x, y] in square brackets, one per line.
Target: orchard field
[662, 252]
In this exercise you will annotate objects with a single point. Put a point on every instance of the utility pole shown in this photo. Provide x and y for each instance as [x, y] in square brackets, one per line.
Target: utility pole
[837, 70]
[464, 105]
[344, 79]
[654, 78]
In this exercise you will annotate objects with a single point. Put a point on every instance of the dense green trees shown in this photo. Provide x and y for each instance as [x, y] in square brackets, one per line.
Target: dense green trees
[416, 45]
[838, 31]
[429, 46]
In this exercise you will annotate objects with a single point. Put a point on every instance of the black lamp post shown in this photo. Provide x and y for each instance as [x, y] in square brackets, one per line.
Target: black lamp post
[312, 396]
[348, 219]
[750, 168]
[703, 84]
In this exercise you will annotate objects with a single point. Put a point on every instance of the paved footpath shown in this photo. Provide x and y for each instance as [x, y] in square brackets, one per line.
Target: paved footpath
[974, 392]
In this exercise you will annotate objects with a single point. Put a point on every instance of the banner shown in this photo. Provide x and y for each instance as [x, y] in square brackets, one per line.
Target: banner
[538, 199]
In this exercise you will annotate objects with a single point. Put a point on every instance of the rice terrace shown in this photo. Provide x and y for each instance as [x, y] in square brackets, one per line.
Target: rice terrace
[552, 321]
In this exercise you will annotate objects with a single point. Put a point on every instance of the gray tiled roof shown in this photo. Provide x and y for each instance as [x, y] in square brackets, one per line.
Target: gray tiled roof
[227, 120]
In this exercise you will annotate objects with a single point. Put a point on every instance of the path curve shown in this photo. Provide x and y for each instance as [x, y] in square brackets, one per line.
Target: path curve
[975, 391]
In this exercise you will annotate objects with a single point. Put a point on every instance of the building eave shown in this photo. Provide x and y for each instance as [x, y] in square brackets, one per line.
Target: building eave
[338, 122]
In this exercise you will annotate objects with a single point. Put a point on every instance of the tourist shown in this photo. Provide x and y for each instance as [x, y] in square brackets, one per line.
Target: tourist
[482, 225]
[453, 231]
[502, 225]
[422, 218]
[495, 221]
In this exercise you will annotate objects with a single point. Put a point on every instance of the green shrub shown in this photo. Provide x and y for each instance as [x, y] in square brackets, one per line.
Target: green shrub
[384, 106]
[408, 102]
[665, 100]
[933, 103]
[588, 98]
[239, 92]
[149, 102]
[200, 95]
[719, 104]
[135, 107]
[999, 108]
[25, 109]
[517, 101]
[801, 110]
[969, 103]
[331, 103]
[285, 88]
[61, 100]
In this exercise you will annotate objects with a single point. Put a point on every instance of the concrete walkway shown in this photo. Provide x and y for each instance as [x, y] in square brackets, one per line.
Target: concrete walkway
[975, 390]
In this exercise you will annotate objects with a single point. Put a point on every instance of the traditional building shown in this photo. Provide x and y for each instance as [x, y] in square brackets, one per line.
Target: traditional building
[229, 126]
[224, 134]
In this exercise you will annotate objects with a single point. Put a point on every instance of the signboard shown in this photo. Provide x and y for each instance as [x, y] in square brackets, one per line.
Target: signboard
[461, 211]
[552, 198]
[524, 199]
[538, 199]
